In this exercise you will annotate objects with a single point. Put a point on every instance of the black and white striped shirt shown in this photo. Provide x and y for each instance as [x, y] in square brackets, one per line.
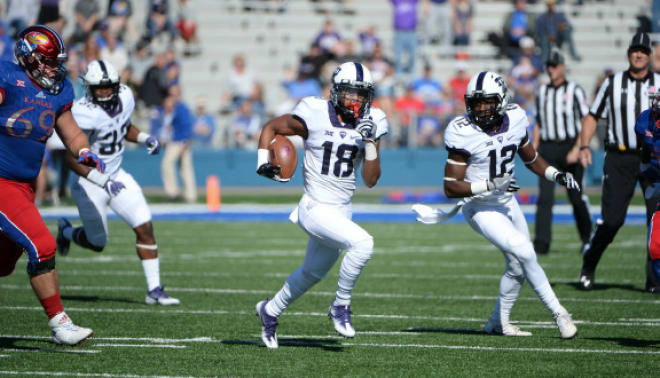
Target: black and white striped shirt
[621, 99]
[559, 111]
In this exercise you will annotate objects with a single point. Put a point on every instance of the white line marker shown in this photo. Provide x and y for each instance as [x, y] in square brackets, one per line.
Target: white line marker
[140, 346]
[41, 350]
[71, 374]
[327, 293]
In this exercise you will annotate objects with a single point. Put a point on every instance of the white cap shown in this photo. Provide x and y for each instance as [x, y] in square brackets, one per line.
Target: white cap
[526, 42]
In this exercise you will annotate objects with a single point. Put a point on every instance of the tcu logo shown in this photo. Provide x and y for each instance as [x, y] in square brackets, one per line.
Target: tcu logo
[499, 81]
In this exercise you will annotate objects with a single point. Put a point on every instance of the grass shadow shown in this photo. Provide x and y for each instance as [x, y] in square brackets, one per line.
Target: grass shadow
[9, 343]
[454, 331]
[95, 298]
[327, 345]
[628, 342]
[607, 286]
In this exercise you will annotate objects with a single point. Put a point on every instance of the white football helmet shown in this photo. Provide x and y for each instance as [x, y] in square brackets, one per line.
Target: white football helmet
[490, 88]
[351, 90]
[101, 74]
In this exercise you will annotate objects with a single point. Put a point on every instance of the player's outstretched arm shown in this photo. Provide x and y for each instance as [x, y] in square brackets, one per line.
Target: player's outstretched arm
[76, 141]
[538, 165]
[133, 134]
[283, 125]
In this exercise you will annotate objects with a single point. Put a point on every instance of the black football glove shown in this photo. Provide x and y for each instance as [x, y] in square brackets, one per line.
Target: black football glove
[271, 171]
[566, 179]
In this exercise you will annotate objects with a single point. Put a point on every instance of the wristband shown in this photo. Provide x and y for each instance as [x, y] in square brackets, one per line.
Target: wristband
[584, 148]
[142, 137]
[262, 157]
[551, 173]
[370, 151]
[83, 150]
[479, 187]
[97, 178]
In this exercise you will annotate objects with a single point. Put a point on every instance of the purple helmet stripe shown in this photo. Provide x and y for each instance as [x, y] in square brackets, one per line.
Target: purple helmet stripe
[359, 71]
[480, 81]
[105, 70]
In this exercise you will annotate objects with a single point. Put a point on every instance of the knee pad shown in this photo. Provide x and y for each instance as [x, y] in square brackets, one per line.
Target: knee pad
[42, 267]
[363, 247]
[95, 243]
[521, 247]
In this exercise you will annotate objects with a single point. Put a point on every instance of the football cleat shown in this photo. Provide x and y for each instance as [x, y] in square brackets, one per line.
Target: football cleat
[341, 318]
[586, 281]
[63, 243]
[158, 296]
[567, 328]
[67, 333]
[494, 327]
[268, 325]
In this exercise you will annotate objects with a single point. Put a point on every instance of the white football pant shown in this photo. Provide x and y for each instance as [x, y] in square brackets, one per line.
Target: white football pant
[93, 201]
[504, 225]
[330, 230]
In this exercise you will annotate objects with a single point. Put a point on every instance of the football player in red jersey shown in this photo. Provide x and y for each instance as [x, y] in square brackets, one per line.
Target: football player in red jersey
[36, 97]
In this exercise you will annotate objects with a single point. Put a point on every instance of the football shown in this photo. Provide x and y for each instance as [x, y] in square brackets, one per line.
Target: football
[283, 154]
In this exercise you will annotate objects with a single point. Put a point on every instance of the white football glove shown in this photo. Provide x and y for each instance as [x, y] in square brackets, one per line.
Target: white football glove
[367, 128]
[500, 183]
[428, 215]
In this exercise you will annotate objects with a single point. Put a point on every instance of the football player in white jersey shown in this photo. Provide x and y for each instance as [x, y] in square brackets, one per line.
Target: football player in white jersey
[104, 115]
[482, 146]
[339, 134]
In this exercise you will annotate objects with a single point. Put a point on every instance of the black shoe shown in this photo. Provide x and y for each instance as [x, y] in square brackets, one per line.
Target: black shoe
[541, 248]
[586, 281]
[653, 290]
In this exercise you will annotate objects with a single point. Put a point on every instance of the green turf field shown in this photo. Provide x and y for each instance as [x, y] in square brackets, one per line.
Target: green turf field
[418, 309]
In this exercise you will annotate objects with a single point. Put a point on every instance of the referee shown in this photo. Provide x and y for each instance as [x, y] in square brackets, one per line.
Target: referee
[620, 99]
[560, 105]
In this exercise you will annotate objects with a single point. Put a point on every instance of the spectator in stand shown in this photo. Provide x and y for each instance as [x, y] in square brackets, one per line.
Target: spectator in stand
[114, 51]
[405, 35]
[155, 87]
[187, 27]
[204, 124]
[140, 62]
[553, 29]
[90, 52]
[656, 58]
[87, 18]
[462, 22]
[158, 23]
[173, 121]
[368, 41]
[246, 126]
[328, 38]
[49, 15]
[528, 50]
[172, 68]
[438, 25]
[458, 86]
[6, 43]
[311, 64]
[73, 71]
[517, 24]
[301, 86]
[523, 81]
[427, 88]
[241, 84]
[119, 19]
[21, 14]
[407, 109]
[382, 72]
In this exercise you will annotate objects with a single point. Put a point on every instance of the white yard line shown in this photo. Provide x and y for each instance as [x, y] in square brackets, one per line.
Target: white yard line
[64, 288]
[41, 350]
[543, 324]
[72, 374]
[140, 346]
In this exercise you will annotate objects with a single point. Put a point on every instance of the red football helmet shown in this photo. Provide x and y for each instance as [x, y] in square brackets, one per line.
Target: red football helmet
[41, 52]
